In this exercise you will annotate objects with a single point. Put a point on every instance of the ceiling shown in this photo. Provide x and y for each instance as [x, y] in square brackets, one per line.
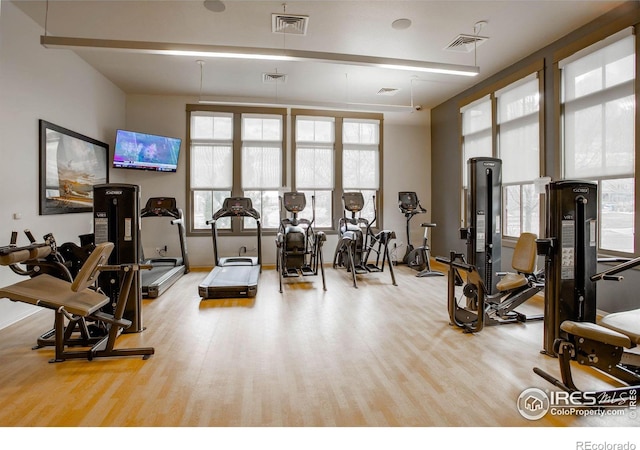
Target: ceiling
[514, 30]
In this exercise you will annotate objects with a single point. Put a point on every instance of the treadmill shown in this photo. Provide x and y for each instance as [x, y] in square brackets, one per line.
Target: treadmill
[166, 270]
[236, 276]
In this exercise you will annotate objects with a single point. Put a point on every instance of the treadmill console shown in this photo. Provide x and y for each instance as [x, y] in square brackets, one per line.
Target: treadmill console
[237, 206]
[160, 206]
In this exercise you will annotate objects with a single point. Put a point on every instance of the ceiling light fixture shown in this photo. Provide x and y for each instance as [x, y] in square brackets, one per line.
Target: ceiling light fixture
[401, 24]
[215, 5]
[218, 51]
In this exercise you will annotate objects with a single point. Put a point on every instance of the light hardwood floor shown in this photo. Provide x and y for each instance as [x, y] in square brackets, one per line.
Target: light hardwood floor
[379, 355]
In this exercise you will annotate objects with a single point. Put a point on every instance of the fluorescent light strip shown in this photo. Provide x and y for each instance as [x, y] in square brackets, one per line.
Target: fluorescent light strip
[217, 51]
[371, 107]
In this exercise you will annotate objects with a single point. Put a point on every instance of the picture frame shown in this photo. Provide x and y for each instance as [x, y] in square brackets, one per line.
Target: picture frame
[70, 165]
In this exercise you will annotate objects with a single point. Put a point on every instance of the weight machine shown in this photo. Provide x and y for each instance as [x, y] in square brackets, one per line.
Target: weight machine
[513, 289]
[484, 209]
[570, 329]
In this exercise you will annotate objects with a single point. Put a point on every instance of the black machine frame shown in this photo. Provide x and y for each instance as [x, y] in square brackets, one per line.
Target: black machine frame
[299, 246]
[166, 270]
[416, 258]
[234, 276]
[355, 246]
[484, 209]
[572, 332]
[483, 308]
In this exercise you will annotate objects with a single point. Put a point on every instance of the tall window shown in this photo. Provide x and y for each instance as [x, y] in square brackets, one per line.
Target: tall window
[262, 166]
[234, 152]
[337, 152]
[518, 135]
[598, 112]
[315, 162]
[211, 165]
[477, 141]
[361, 160]
[476, 133]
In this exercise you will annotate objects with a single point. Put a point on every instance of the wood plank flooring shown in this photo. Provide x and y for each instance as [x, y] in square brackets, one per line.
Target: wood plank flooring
[376, 356]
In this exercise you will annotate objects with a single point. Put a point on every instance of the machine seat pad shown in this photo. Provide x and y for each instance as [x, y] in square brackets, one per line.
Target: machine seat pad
[51, 292]
[596, 332]
[511, 281]
[626, 322]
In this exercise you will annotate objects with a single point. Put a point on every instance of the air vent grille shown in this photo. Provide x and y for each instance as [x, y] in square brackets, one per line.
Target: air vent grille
[290, 24]
[388, 91]
[465, 43]
[274, 78]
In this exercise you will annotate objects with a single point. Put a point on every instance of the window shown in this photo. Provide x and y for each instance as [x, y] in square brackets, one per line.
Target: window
[238, 151]
[476, 133]
[234, 153]
[315, 162]
[211, 165]
[337, 152]
[361, 160]
[518, 135]
[477, 140]
[598, 140]
[262, 166]
[506, 124]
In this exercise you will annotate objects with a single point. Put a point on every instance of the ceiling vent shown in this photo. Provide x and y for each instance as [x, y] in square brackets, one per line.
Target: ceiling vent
[388, 91]
[288, 23]
[274, 78]
[465, 43]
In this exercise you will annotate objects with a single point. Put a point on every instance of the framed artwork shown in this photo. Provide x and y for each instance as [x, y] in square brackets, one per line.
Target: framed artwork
[70, 165]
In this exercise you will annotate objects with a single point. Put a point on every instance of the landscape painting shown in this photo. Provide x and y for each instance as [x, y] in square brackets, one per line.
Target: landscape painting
[70, 165]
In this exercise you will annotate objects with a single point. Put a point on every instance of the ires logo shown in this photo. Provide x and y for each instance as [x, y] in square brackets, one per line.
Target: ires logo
[534, 403]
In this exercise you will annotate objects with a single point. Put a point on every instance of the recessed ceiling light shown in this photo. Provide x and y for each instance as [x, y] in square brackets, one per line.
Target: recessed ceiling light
[214, 5]
[401, 24]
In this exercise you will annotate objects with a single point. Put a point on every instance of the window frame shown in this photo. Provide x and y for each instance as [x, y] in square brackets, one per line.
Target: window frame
[561, 60]
[337, 209]
[533, 118]
[535, 69]
[237, 226]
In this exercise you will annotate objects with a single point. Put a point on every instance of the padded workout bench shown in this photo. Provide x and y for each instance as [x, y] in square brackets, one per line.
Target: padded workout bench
[75, 302]
[601, 346]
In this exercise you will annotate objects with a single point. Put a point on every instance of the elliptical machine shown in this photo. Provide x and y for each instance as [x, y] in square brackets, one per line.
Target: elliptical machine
[417, 258]
[299, 247]
[355, 245]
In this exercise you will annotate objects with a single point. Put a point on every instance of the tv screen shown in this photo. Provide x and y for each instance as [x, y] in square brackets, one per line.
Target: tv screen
[143, 151]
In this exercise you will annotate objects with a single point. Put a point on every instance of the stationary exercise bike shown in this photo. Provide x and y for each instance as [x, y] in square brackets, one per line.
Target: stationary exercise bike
[357, 241]
[416, 258]
[299, 247]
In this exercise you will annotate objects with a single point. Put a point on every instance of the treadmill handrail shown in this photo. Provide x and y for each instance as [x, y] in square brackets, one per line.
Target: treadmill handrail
[244, 212]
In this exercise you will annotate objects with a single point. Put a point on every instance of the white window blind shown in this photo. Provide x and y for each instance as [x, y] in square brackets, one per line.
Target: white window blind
[598, 111]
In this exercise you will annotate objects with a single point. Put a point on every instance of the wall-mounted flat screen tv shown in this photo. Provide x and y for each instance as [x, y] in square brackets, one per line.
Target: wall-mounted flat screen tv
[134, 150]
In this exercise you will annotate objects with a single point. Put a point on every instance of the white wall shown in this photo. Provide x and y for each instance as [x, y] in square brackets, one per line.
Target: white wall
[406, 168]
[58, 86]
